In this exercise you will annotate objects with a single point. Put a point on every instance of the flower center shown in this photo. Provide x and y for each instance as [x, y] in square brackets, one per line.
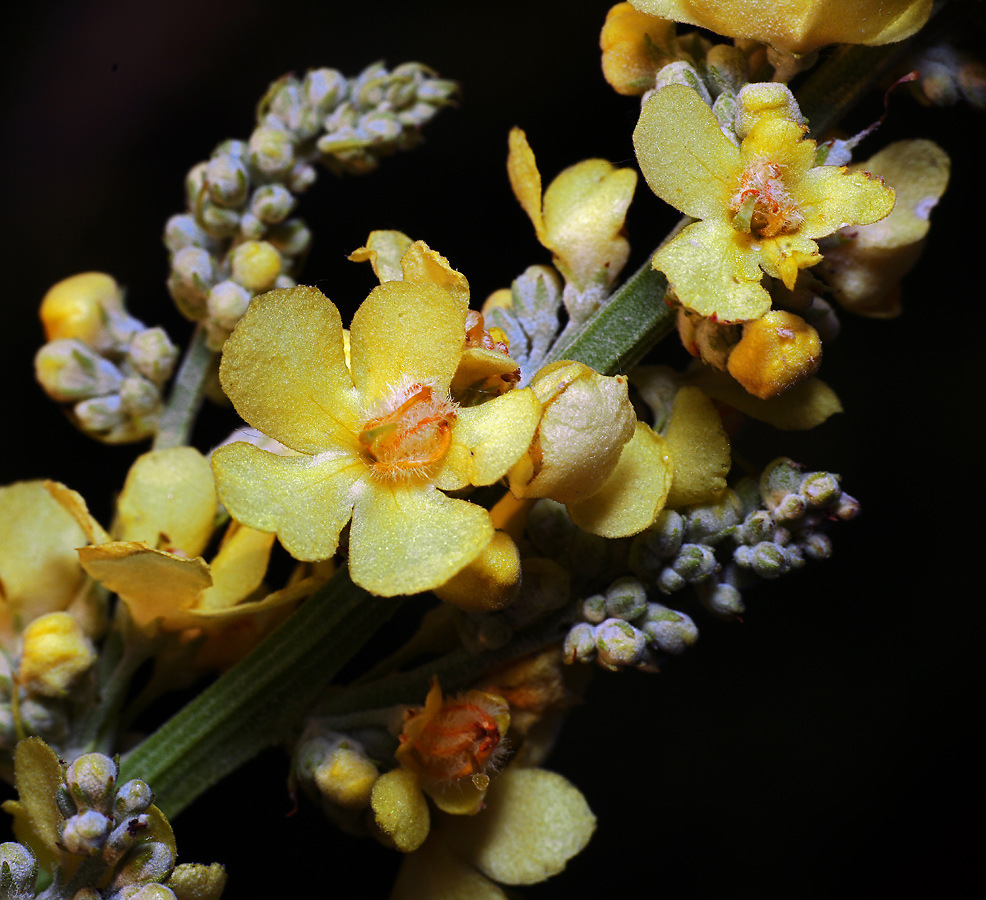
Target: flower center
[409, 432]
[762, 205]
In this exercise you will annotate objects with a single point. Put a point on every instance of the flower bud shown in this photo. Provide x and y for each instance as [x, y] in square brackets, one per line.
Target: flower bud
[21, 868]
[650, 549]
[272, 203]
[618, 643]
[69, 370]
[56, 654]
[776, 352]
[138, 397]
[255, 265]
[820, 489]
[79, 307]
[152, 353]
[227, 303]
[271, 151]
[346, 778]
[580, 643]
[669, 630]
[85, 832]
[626, 598]
[183, 231]
[100, 414]
[594, 609]
[695, 562]
[587, 419]
[149, 861]
[227, 180]
[193, 273]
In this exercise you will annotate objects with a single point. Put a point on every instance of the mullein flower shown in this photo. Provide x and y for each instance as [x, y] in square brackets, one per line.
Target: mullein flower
[48, 615]
[761, 204]
[533, 822]
[167, 514]
[580, 220]
[798, 26]
[863, 265]
[379, 440]
[635, 46]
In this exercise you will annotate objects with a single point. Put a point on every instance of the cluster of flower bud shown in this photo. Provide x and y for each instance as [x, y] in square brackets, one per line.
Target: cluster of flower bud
[238, 237]
[105, 367]
[621, 628]
[761, 530]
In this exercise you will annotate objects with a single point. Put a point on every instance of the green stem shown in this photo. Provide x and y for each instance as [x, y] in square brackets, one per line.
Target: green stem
[183, 405]
[255, 704]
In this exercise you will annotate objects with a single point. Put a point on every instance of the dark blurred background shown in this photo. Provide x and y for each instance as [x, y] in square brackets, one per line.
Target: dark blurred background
[829, 745]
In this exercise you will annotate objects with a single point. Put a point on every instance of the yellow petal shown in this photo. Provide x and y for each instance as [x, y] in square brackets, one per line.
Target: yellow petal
[803, 406]
[305, 501]
[835, 198]
[75, 505]
[39, 568]
[525, 179]
[435, 873]
[400, 809]
[169, 501]
[635, 492]
[584, 212]
[422, 265]
[796, 26]
[285, 371]
[383, 251]
[153, 584]
[586, 422]
[715, 271]
[406, 539]
[488, 439]
[687, 161]
[489, 583]
[405, 333]
[534, 823]
[238, 567]
[699, 449]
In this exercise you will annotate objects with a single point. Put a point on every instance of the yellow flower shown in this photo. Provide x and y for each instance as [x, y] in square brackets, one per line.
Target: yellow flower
[533, 822]
[166, 517]
[798, 26]
[56, 653]
[379, 443]
[581, 218]
[776, 352]
[762, 204]
[864, 265]
[39, 568]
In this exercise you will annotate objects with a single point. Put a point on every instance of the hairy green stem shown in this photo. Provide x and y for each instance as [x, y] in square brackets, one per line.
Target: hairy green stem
[183, 404]
[256, 703]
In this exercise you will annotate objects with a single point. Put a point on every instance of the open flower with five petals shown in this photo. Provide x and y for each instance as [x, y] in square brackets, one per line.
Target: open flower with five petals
[761, 204]
[379, 440]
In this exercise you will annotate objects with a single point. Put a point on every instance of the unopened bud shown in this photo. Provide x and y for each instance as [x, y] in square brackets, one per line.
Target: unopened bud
[271, 151]
[227, 180]
[69, 370]
[618, 643]
[227, 304]
[820, 489]
[193, 273]
[695, 562]
[86, 832]
[255, 265]
[776, 352]
[594, 609]
[626, 598]
[272, 203]
[580, 643]
[20, 871]
[669, 630]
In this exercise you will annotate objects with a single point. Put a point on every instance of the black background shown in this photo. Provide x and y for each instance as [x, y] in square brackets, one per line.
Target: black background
[829, 744]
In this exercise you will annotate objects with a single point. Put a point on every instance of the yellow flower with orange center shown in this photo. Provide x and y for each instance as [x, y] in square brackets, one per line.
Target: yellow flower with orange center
[761, 204]
[379, 440]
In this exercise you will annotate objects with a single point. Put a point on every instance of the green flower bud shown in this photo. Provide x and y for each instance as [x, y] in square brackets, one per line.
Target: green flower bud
[272, 203]
[580, 643]
[757, 526]
[218, 221]
[291, 238]
[146, 862]
[251, 227]
[152, 353]
[790, 508]
[695, 562]
[766, 559]
[724, 600]
[271, 151]
[681, 72]
[92, 780]
[846, 507]
[669, 630]
[85, 833]
[18, 871]
[133, 798]
[301, 177]
[816, 545]
[195, 184]
[227, 303]
[650, 549]
[99, 414]
[594, 609]
[709, 523]
[193, 273]
[138, 397]
[322, 89]
[725, 68]
[183, 231]
[626, 598]
[618, 643]
[780, 478]
[69, 370]
[669, 581]
[820, 489]
[227, 181]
